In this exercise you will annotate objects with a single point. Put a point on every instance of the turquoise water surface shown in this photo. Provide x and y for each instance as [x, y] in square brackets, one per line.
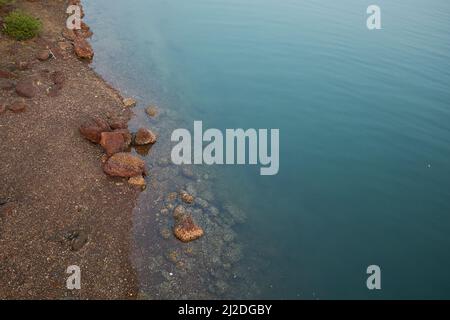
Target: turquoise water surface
[364, 119]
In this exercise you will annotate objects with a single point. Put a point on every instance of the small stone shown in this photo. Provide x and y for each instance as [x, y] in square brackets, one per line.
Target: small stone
[26, 88]
[65, 46]
[137, 181]
[84, 32]
[187, 172]
[78, 240]
[2, 108]
[118, 123]
[144, 137]
[93, 128]
[17, 107]
[129, 102]
[171, 197]
[44, 55]
[124, 165]
[6, 74]
[83, 49]
[69, 34]
[186, 230]
[112, 142]
[179, 212]
[187, 198]
[152, 111]
[6, 84]
[165, 233]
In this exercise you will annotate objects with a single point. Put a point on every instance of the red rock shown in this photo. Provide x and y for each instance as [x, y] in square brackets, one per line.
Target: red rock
[44, 55]
[69, 34]
[93, 129]
[187, 198]
[17, 107]
[6, 74]
[127, 137]
[124, 165]
[186, 230]
[26, 88]
[144, 137]
[83, 49]
[2, 108]
[118, 123]
[84, 32]
[112, 142]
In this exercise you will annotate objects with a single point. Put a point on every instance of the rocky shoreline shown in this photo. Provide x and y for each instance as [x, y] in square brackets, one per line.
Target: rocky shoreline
[57, 206]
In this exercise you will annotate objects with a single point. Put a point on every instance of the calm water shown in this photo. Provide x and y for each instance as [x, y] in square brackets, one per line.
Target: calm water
[364, 119]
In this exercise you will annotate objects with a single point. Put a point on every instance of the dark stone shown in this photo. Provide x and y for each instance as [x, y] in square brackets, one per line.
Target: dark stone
[17, 107]
[26, 88]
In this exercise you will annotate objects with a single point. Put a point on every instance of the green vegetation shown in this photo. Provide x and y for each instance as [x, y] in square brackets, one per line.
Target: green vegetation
[4, 2]
[21, 26]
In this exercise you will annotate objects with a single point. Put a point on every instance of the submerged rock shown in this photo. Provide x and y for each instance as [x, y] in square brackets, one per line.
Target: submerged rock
[179, 212]
[186, 197]
[93, 128]
[144, 137]
[186, 230]
[151, 111]
[137, 181]
[124, 165]
[187, 172]
[112, 142]
[129, 102]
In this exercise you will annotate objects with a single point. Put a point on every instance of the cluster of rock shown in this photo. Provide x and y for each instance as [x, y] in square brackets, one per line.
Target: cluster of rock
[116, 139]
[81, 46]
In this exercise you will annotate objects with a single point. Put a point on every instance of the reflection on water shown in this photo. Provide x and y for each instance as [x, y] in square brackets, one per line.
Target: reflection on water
[365, 142]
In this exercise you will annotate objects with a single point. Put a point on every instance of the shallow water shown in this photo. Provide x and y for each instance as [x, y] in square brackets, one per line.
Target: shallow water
[364, 121]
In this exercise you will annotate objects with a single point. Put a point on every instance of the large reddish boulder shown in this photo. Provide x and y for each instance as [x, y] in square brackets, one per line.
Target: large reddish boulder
[112, 142]
[124, 165]
[26, 88]
[83, 49]
[93, 129]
